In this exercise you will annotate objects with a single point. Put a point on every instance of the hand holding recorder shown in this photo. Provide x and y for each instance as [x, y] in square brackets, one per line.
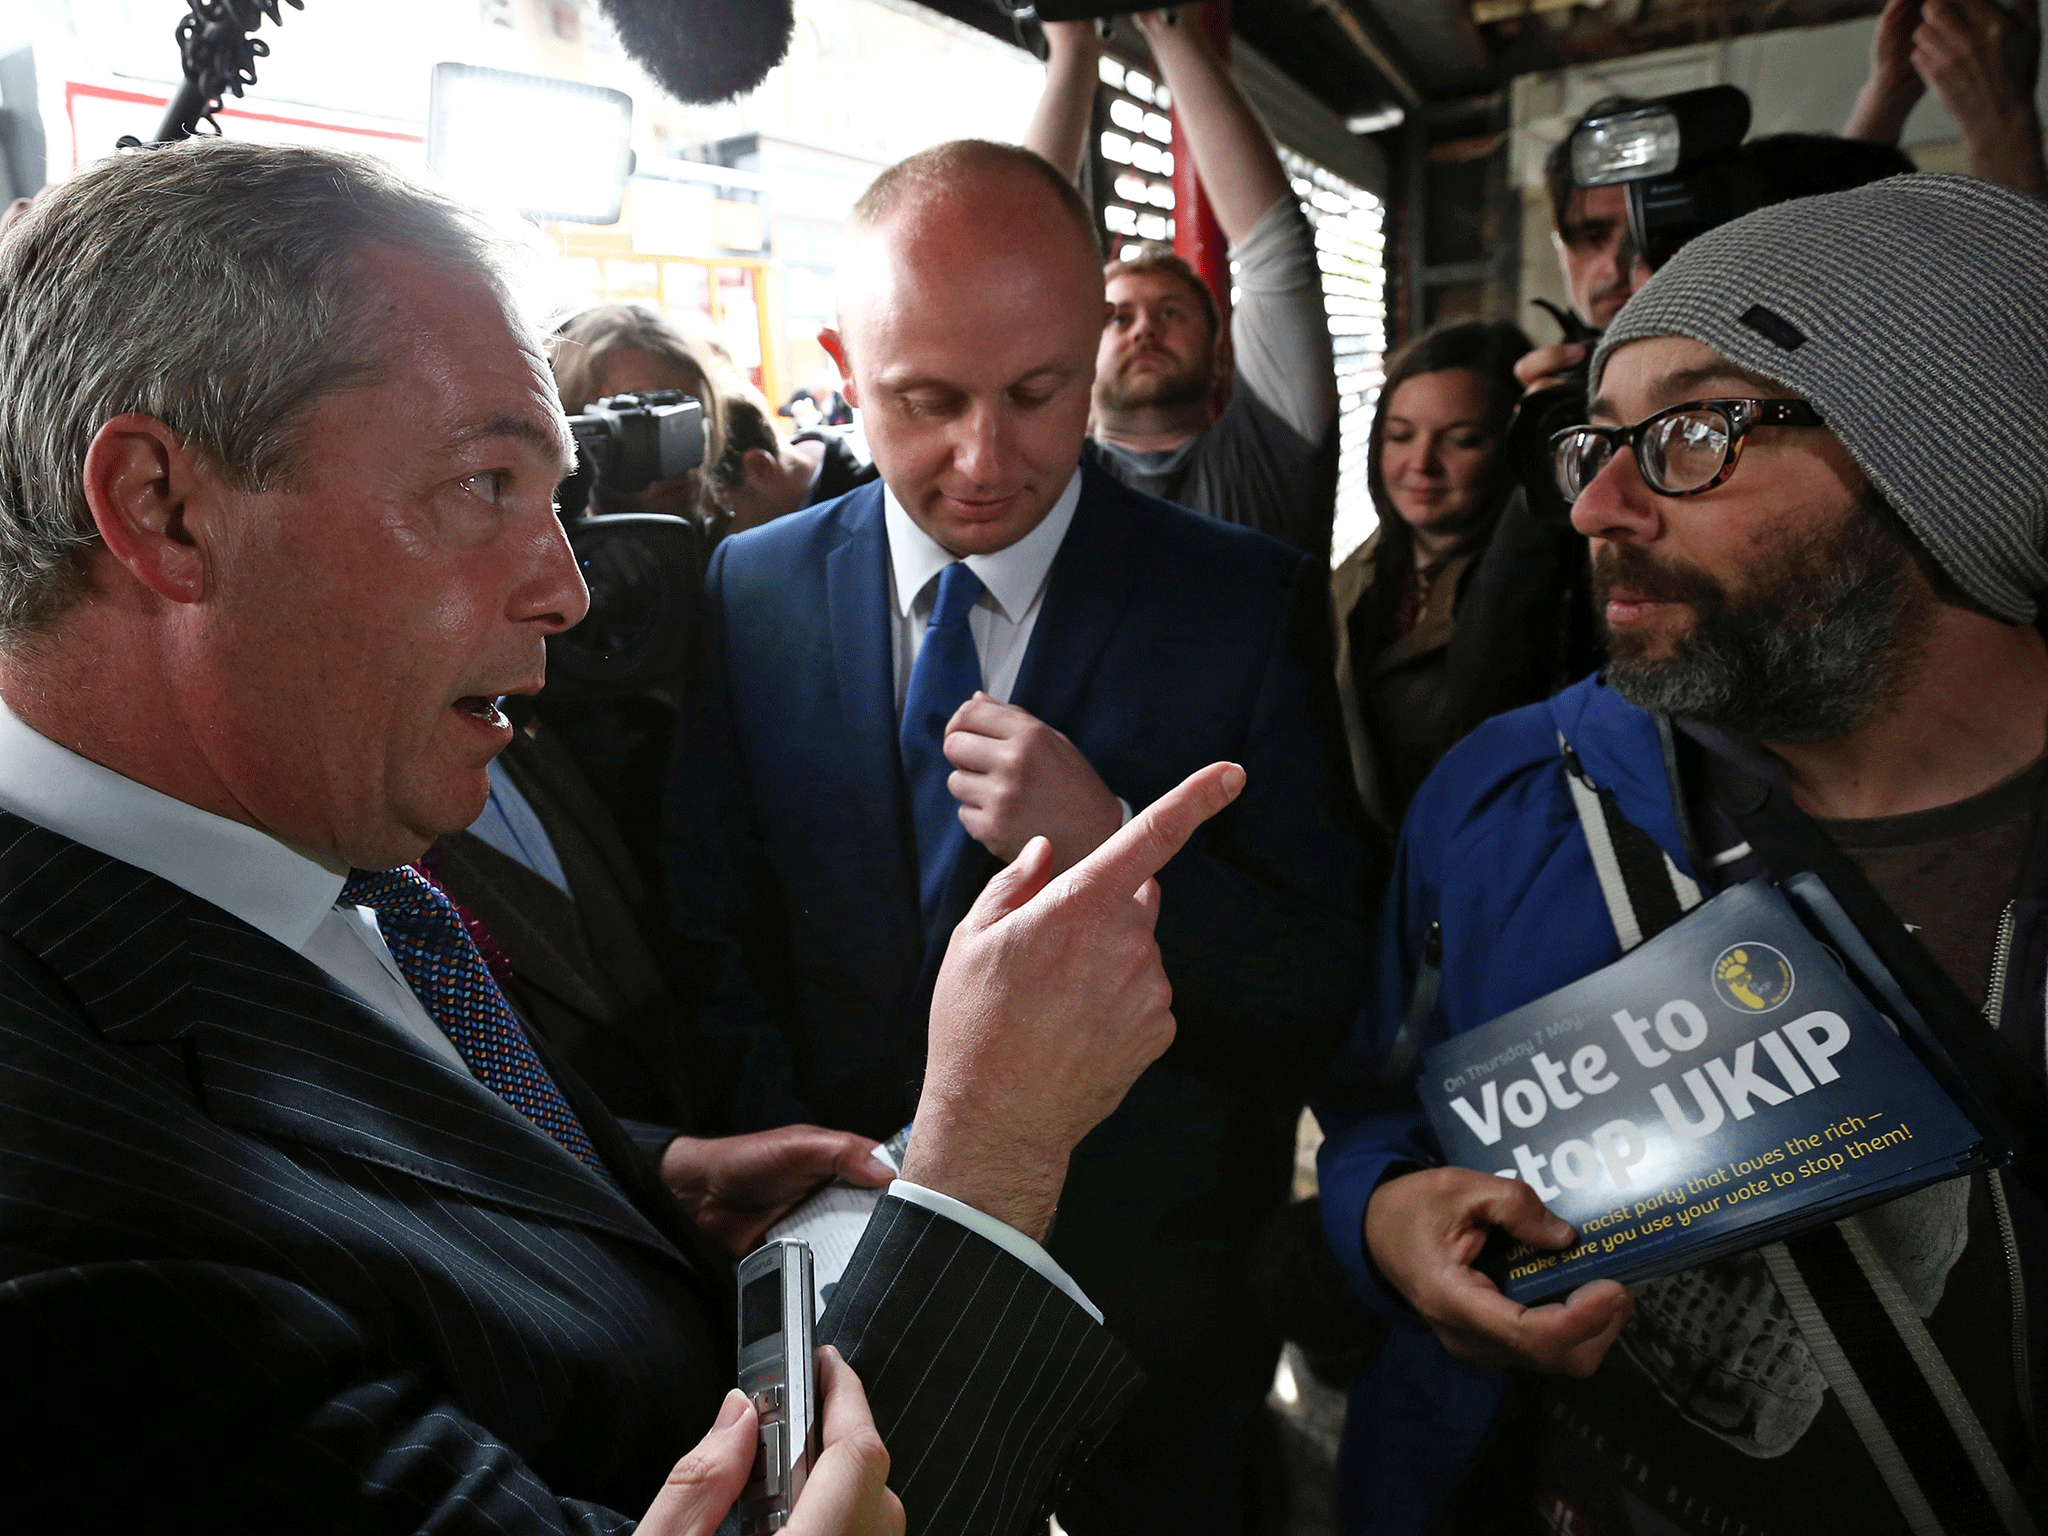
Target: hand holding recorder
[846, 1494]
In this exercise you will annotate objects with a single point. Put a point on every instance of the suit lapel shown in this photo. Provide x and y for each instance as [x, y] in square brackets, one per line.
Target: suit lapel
[530, 919]
[276, 1047]
[858, 599]
[1090, 587]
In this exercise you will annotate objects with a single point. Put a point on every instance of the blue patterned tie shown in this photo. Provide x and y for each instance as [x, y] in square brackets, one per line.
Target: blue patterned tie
[448, 975]
[945, 675]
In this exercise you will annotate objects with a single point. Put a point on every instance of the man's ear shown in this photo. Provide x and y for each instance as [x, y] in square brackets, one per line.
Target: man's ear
[141, 482]
[759, 464]
[835, 348]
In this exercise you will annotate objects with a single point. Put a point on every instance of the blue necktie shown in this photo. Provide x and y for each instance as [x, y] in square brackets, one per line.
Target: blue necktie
[945, 675]
[426, 938]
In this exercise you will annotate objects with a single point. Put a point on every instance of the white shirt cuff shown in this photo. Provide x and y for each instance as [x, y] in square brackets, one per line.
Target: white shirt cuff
[1125, 806]
[1005, 1237]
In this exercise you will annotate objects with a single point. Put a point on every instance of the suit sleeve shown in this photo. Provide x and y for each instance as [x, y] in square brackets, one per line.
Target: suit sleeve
[231, 1400]
[1263, 925]
[989, 1385]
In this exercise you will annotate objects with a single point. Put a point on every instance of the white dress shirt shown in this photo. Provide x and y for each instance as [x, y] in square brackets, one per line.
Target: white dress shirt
[269, 885]
[1013, 590]
[294, 898]
[1013, 583]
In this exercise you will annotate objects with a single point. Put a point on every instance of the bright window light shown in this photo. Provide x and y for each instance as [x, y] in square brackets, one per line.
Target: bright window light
[1112, 73]
[1118, 148]
[1127, 115]
[1159, 195]
[1152, 227]
[1156, 127]
[1118, 219]
[1147, 157]
[1138, 85]
[1133, 189]
[551, 149]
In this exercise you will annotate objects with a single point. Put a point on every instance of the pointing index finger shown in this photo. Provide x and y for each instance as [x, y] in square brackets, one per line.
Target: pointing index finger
[1141, 848]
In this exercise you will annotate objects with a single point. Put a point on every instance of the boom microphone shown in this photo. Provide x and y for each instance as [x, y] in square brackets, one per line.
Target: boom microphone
[705, 50]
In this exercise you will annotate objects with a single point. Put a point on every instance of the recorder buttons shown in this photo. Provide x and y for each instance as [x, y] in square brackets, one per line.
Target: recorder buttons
[775, 1468]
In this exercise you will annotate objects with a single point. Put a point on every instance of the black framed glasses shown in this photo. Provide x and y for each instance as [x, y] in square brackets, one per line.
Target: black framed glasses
[1681, 451]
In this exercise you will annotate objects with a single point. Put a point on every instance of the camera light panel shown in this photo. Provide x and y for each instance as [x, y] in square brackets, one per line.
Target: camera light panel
[551, 149]
[1625, 147]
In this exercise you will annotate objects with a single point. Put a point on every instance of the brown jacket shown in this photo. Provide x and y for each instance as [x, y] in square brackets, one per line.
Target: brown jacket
[1396, 706]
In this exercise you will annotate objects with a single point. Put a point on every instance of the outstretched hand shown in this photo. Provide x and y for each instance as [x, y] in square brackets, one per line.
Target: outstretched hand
[1425, 1229]
[1051, 1000]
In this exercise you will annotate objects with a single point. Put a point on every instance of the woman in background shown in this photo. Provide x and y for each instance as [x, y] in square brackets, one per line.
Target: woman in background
[1439, 480]
[618, 349]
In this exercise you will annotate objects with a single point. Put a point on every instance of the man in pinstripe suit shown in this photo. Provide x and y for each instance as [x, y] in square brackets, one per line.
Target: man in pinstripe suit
[298, 1227]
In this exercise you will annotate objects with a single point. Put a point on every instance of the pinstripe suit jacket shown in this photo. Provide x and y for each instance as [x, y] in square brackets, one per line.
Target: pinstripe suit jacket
[266, 1264]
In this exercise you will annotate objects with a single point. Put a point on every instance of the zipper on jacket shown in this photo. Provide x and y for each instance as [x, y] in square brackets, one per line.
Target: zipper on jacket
[2016, 1283]
[2001, 958]
[2001, 1209]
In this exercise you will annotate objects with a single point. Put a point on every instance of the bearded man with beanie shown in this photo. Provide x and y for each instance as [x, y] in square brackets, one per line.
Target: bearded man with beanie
[1816, 486]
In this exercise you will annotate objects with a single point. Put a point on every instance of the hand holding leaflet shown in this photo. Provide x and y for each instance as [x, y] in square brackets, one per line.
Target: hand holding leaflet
[1722, 1085]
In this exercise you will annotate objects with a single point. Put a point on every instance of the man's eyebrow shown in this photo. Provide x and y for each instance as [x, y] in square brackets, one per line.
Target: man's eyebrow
[553, 439]
[1685, 384]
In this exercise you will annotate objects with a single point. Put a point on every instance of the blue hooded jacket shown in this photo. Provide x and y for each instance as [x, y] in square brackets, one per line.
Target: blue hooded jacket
[1493, 851]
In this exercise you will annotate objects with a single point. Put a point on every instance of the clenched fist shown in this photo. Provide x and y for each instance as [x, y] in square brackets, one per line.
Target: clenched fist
[1017, 778]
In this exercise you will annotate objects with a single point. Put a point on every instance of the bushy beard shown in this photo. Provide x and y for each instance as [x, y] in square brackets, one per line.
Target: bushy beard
[1817, 645]
[1157, 391]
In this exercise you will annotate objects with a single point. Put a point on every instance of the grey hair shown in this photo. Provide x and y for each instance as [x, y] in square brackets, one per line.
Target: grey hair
[210, 285]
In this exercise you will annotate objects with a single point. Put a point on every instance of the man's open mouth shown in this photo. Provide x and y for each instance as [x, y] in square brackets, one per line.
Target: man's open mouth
[482, 709]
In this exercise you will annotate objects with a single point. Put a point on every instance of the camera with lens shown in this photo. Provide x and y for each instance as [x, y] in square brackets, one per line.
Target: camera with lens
[643, 569]
[625, 443]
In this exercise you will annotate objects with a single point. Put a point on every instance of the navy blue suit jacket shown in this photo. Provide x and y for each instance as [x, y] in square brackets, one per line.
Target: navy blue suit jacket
[1167, 641]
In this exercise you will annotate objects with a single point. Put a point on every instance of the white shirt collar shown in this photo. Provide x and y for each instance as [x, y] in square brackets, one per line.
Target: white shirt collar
[1013, 575]
[267, 884]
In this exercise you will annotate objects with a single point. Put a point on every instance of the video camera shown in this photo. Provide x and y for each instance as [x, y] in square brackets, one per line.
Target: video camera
[643, 569]
[625, 443]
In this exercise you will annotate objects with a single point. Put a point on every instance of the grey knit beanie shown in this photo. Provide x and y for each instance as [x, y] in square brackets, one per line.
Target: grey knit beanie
[1913, 313]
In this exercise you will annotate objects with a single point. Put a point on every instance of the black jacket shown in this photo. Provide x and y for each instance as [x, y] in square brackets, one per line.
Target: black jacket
[267, 1264]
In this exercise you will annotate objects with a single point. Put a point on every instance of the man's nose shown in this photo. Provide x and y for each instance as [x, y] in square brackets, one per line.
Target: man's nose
[978, 446]
[1617, 504]
[553, 595]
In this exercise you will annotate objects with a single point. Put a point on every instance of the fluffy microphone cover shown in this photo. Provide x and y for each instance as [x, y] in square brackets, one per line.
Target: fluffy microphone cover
[705, 50]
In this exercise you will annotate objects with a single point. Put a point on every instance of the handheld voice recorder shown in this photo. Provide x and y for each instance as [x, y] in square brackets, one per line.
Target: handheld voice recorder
[778, 1372]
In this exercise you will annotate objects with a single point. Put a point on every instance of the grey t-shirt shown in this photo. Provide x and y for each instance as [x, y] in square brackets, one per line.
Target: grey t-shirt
[1270, 461]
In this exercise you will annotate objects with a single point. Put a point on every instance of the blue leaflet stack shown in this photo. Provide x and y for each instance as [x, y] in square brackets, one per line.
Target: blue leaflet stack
[1720, 1086]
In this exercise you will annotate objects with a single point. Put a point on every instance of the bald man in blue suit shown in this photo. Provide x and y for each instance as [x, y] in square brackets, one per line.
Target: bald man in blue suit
[994, 643]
